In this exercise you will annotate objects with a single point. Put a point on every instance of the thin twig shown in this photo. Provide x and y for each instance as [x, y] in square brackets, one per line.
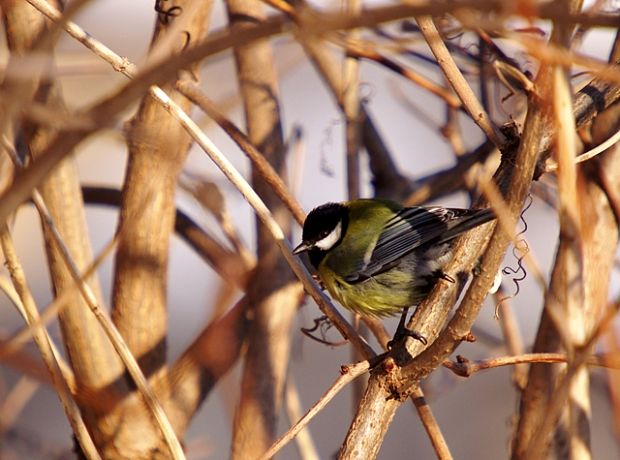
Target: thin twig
[535, 449]
[416, 78]
[430, 424]
[128, 69]
[14, 402]
[600, 148]
[11, 293]
[51, 311]
[512, 335]
[193, 92]
[348, 374]
[231, 266]
[305, 444]
[466, 368]
[458, 82]
[553, 54]
[109, 328]
[43, 341]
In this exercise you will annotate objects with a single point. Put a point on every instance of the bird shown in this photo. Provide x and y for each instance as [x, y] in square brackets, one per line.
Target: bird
[378, 258]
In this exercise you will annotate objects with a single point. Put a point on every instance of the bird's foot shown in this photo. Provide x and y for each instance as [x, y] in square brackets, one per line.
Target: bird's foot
[401, 333]
[446, 277]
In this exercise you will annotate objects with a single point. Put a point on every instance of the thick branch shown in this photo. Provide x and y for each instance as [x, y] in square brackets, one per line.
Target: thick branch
[273, 296]
[94, 361]
[379, 404]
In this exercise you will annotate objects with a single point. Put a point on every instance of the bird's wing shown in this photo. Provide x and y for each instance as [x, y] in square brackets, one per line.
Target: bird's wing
[412, 227]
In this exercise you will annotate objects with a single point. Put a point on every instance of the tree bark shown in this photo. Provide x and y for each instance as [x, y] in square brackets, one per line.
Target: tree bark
[158, 146]
[273, 296]
[95, 364]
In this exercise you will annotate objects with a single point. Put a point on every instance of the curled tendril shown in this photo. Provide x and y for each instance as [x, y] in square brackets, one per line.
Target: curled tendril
[164, 15]
[322, 324]
[188, 39]
[367, 92]
[326, 144]
[519, 251]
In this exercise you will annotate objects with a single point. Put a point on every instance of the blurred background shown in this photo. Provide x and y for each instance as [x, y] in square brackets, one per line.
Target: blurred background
[408, 119]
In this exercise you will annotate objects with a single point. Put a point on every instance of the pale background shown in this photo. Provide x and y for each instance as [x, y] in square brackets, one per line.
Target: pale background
[475, 414]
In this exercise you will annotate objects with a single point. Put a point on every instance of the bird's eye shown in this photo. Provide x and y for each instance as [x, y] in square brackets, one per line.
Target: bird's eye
[323, 234]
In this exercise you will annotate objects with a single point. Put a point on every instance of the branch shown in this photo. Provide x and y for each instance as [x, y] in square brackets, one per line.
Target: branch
[93, 360]
[537, 446]
[201, 366]
[223, 164]
[465, 368]
[44, 343]
[597, 206]
[193, 92]
[273, 296]
[157, 149]
[514, 174]
[370, 54]
[458, 82]
[594, 98]
[229, 265]
[348, 374]
[430, 425]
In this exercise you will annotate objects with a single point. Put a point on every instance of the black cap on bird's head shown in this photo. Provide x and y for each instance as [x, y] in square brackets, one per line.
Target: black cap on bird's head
[324, 228]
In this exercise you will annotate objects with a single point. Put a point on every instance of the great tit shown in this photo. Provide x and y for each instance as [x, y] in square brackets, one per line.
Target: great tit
[376, 257]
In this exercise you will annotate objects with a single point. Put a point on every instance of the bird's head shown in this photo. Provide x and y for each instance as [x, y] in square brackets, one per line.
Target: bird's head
[324, 228]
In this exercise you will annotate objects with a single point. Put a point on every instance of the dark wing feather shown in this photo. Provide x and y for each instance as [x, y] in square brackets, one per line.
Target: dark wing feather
[411, 228]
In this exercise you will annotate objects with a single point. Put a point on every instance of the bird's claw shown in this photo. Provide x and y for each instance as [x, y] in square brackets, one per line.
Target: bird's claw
[404, 332]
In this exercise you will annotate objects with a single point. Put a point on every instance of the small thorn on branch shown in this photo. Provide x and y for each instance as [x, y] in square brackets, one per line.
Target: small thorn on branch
[469, 337]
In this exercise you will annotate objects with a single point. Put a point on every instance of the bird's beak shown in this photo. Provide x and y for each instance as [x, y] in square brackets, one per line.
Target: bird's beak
[303, 247]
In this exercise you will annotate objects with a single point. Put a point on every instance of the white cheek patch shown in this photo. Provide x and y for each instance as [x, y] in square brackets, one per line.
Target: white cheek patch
[330, 240]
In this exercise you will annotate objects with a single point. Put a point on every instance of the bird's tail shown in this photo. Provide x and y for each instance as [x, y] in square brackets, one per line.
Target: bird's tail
[464, 220]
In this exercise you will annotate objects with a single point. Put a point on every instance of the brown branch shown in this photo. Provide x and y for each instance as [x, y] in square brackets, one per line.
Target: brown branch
[593, 99]
[93, 359]
[229, 265]
[158, 146]
[569, 298]
[23, 362]
[348, 374]
[449, 180]
[306, 446]
[210, 356]
[352, 110]
[273, 295]
[366, 433]
[193, 92]
[372, 55]
[540, 439]
[154, 409]
[517, 182]
[31, 316]
[458, 82]
[466, 368]
[430, 424]
[200, 367]
[590, 102]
